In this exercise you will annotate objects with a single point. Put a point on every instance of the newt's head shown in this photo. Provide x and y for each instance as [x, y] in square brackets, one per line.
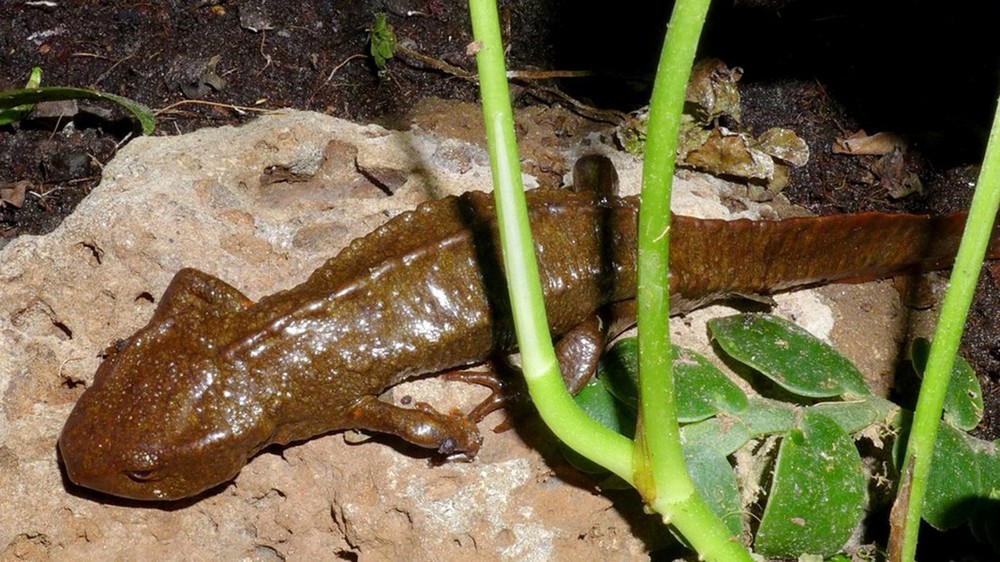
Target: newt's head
[158, 423]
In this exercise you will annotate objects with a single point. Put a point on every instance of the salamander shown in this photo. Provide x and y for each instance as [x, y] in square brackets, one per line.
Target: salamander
[183, 404]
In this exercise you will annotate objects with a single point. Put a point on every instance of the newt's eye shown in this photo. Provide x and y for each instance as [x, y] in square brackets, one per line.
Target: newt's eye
[142, 475]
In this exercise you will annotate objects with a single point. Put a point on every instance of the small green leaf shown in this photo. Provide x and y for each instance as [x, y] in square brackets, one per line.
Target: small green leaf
[14, 98]
[985, 520]
[12, 114]
[35, 78]
[787, 354]
[963, 401]
[817, 493]
[605, 409]
[855, 415]
[715, 480]
[618, 370]
[954, 481]
[722, 434]
[383, 41]
[602, 407]
[702, 389]
[766, 416]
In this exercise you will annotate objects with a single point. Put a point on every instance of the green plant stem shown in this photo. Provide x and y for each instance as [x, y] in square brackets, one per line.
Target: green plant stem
[538, 360]
[664, 481]
[947, 335]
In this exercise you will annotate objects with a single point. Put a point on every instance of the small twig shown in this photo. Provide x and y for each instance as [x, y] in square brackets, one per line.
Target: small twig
[526, 78]
[55, 128]
[113, 67]
[609, 116]
[511, 74]
[121, 143]
[97, 162]
[44, 196]
[90, 55]
[341, 65]
[263, 35]
[437, 64]
[63, 364]
[84, 180]
[331, 75]
[103, 57]
[236, 108]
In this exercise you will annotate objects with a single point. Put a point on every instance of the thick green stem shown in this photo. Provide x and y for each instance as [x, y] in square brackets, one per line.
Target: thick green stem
[541, 371]
[675, 496]
[663, 479]
[947, 335]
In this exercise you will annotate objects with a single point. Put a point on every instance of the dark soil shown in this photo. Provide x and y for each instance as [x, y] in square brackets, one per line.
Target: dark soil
[824, 69]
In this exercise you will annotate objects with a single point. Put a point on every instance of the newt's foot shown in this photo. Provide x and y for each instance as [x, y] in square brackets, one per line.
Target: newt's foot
[421, 425]
[498, 391]
[507, 392]
[454, 434]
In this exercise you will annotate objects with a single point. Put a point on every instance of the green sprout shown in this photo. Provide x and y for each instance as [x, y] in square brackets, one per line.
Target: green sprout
[382, 41]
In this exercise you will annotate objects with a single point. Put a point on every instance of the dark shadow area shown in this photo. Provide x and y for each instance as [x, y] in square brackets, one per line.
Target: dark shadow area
[916, 68]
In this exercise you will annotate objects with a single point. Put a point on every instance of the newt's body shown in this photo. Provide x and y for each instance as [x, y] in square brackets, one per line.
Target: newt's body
[213, 378]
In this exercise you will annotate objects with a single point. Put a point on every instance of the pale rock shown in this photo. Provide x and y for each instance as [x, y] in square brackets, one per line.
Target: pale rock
[261, 206]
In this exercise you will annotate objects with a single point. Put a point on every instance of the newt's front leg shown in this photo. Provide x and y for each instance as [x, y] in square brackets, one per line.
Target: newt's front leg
[421, 425]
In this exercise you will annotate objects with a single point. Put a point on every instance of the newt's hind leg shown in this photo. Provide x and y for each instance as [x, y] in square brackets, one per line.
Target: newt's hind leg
[577, 351]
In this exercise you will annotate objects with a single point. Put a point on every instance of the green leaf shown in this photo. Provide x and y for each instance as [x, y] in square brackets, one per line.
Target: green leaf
[856, 415]
[618, 370]
[715, 480]
[985, 520]
[702, 389]
[954, 482]
[763, 416]
[383, 41]
[963, 401]
[817, 494]
[13, 98]
[605, 409]
[787, 354]
[602, 407]
[766, 416]
[35, 78]
[722, 434]
[12, 114]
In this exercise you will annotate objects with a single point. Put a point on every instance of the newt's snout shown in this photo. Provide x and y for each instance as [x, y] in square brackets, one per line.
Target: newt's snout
[156, 424]
[116, 463]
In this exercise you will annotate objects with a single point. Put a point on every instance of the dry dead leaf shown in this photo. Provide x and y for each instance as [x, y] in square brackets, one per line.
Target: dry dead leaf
[13, 193]
[712, 90]
[728, 153]
[784, 145]
[896, 177]
[862, 143]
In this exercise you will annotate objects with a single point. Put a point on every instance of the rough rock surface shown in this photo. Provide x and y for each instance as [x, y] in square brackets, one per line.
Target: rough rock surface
[262, 206]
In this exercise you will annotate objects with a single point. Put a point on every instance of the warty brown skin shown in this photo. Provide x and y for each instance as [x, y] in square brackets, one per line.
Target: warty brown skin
[182, 405]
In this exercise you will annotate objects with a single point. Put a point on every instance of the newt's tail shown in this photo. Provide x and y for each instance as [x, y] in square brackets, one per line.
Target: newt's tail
[712, 259]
